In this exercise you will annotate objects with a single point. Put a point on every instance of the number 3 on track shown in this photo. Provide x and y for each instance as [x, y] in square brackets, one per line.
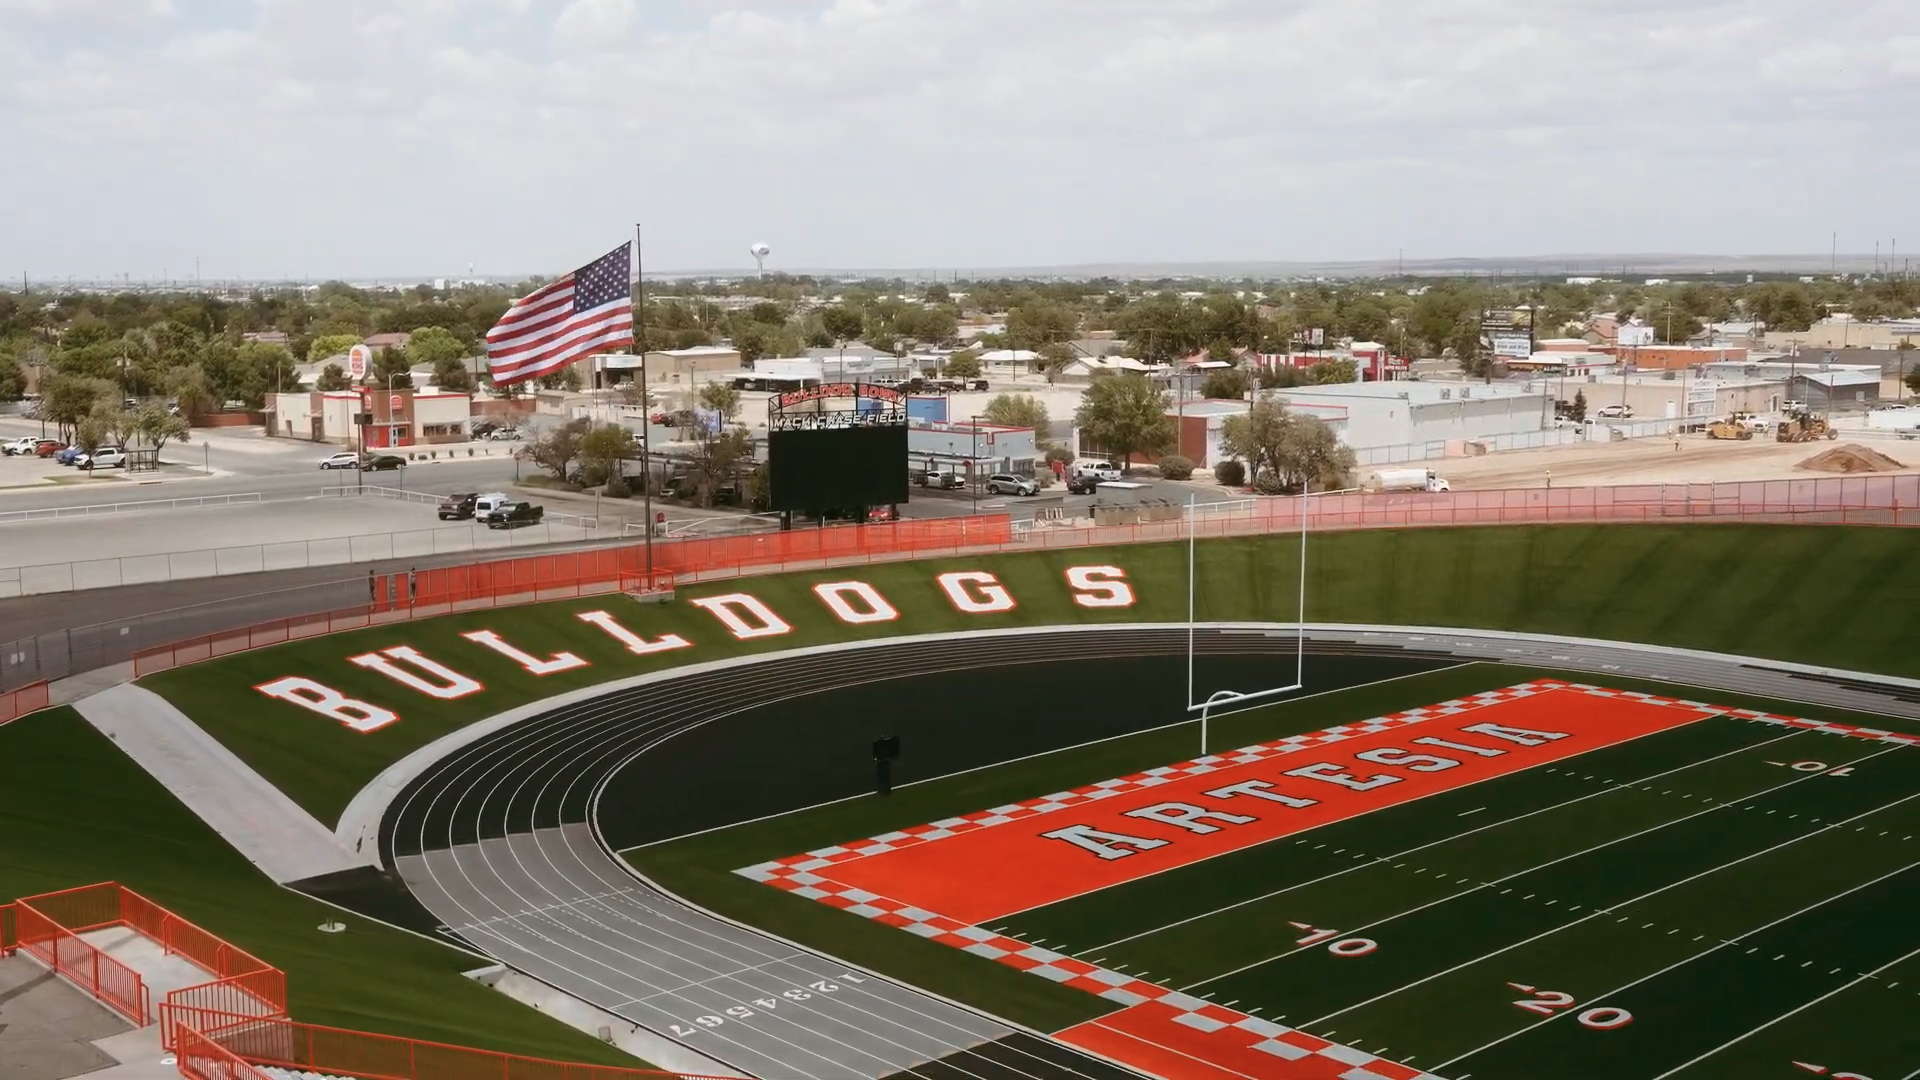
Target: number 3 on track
[1552, 1002]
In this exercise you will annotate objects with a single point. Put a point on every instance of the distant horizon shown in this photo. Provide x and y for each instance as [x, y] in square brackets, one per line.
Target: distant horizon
[1559, 266]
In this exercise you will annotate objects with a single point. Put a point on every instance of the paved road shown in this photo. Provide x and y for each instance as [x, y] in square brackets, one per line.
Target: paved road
[499, 840]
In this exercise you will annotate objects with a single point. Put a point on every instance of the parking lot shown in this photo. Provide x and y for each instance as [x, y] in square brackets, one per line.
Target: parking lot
[141, 546]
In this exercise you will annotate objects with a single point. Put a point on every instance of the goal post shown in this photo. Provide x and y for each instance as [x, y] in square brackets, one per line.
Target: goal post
[1226, 698]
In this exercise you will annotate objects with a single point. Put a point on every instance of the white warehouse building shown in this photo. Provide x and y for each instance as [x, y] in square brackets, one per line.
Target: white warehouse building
[1375, 415]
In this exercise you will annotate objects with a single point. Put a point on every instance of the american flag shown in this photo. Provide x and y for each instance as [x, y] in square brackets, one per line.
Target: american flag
[580, 314]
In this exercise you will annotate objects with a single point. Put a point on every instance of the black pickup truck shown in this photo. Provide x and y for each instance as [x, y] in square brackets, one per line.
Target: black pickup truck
[515, 514]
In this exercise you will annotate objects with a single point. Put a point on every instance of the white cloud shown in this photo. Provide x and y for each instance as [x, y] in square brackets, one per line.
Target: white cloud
[408, 136]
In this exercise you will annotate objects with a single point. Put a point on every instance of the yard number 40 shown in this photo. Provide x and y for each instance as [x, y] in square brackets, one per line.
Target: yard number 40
[1552, 1002]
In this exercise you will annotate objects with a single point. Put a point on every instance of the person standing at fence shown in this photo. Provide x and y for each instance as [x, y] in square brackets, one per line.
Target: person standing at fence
[373, 588]
[412, 579]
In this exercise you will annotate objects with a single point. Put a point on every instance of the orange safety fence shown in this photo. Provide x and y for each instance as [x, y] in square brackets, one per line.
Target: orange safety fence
[199, 1057]
[288, 1044]
[29, 698]
[8, 938]
[116, 985]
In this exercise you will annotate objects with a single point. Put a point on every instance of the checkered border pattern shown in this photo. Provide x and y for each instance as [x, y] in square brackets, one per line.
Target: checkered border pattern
[1124, 990]
[1106, 789]
[797, 874]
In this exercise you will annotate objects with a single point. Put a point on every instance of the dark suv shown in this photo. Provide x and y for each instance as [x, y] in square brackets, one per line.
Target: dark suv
[1082, 485]
[458, 507]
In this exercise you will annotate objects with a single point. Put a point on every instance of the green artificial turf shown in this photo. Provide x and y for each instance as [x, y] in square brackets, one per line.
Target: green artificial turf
[1784, 592]
[75, 811]
[701, 867]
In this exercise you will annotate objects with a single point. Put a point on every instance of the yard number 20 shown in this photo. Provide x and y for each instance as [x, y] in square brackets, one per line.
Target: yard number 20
[1550, 1002]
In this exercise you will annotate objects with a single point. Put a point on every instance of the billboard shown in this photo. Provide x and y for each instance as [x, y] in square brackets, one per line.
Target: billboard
[1516, 346]
[1507, 332]
[827, 468]
[1633, 335]
[359, 359]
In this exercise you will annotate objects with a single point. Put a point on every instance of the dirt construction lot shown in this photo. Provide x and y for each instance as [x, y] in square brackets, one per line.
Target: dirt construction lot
[1693, 459]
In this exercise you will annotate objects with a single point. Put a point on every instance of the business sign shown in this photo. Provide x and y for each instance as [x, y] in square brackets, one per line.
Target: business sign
[359, 358]
[1633, 335]
[848, 390]
[1515, 346]
[395, 403]
[1507, 320]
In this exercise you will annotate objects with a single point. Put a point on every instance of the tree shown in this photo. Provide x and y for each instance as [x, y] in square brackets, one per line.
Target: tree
[714, 457]
[1041, 322]
[156, 426]
[1126, 415]
[1054, 357]
[13, 380]
[1284, 449]
[1579, 406]
[1329, 372]
[601, 451]
[330, 345]
[842, 323]
[567, 378]
[429, 346]
[964, 364]
[66, 399]
[1019, 411]
[722, 398]
[450, 373]
[557, 450]
[191, 391]
[333, 377]
[270, 367]
[390, 369]
[1224, 383]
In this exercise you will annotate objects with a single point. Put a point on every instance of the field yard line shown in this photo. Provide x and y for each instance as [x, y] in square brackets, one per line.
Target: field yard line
[1442, 840]
[1041, 754]
[1783, 1016]
[1623, 988]
[1551, 862]
[1634, 900]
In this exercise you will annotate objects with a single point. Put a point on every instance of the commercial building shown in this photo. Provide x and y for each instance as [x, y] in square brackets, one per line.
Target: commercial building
[988, 448]
[397, 418]
[1843, 331]
[1678, 357]
[664, 367]
[1819, 384]
[1406, 412]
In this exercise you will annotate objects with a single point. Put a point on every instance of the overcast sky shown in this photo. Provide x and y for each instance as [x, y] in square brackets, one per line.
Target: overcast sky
[365, 138]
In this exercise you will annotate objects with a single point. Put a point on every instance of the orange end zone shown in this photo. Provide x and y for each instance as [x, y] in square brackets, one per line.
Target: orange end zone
[1167, 818]
[1221, 1044]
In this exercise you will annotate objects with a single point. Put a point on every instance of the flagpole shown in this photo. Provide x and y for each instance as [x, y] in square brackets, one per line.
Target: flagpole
[646, 419]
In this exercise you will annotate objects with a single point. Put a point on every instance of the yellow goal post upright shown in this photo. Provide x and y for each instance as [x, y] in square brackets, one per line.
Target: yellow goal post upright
[1234, 700]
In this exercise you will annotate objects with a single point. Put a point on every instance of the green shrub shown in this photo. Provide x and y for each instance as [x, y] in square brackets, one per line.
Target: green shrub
[1231, 473]
[1175, 467]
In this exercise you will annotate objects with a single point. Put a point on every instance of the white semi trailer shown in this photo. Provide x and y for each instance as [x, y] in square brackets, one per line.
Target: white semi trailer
[1405, 480]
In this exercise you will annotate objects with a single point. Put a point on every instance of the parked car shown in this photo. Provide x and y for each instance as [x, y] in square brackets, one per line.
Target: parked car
[1082, 485]
[67, 456]
[383, 462]
[106, 457]
[942, 479]
[484, 505]
[458, 507]
[1097, 468]
[505, 434]
[1615, 412]
[482, 428]
[1009, 484]
[48, 447]
[344, 460]
[21, 445]
[511, 515]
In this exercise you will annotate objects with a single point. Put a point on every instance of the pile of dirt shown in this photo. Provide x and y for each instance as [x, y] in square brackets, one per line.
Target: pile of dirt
[1850, 458]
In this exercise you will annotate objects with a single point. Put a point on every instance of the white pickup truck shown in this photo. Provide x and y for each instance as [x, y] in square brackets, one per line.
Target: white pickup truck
[1903, 420]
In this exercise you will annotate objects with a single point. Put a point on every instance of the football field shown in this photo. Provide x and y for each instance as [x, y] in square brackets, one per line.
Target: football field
[1542, 880]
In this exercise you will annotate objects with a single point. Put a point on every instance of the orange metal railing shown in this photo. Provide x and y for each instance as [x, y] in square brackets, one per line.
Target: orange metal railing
[29, 698]
[46, 938]
[199, 1057]
[9, 940]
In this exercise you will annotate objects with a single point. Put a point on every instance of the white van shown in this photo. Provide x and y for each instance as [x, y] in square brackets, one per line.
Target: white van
[1096, 468]
[485, 505]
